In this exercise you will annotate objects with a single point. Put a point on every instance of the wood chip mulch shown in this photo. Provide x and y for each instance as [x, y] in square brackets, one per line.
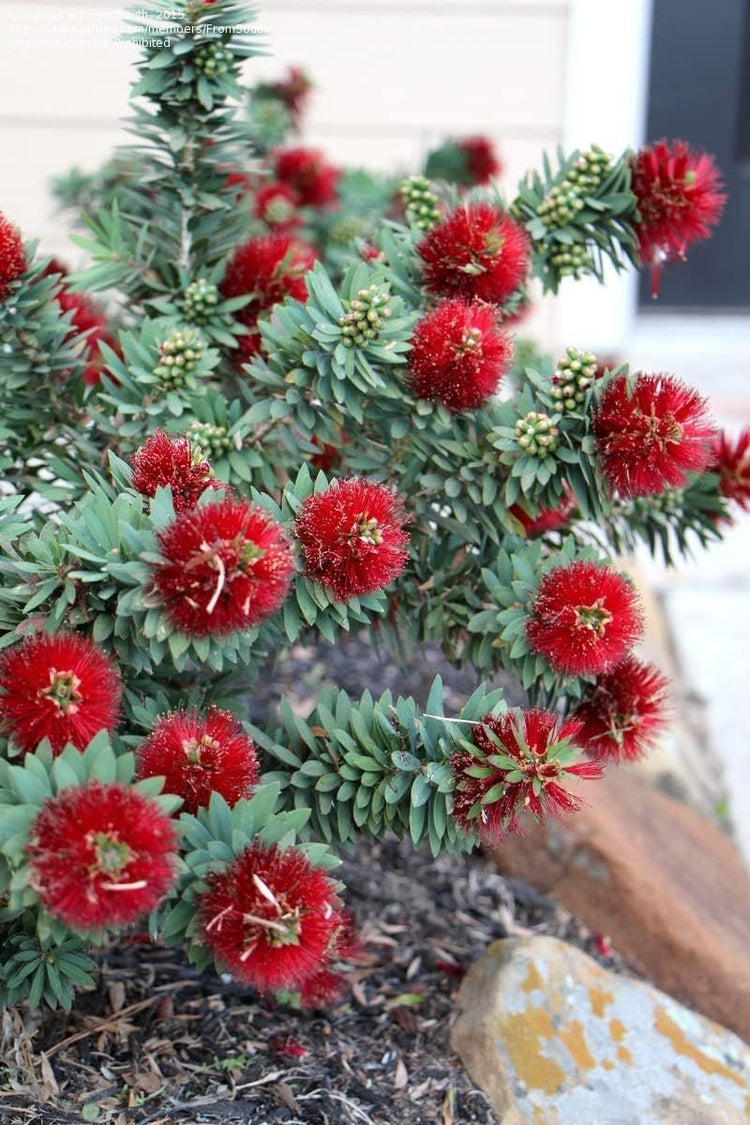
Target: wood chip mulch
[157, 1044]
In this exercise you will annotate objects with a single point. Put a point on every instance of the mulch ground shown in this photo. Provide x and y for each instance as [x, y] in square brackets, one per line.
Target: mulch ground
[157, 1044]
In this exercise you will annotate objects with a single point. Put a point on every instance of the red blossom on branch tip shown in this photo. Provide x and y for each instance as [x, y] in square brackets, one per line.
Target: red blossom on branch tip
[520, 763]
[267, 270]
[624, 712]
[731, 460]
[170, 461]
[101, 855]
[459, 354]
[482, 162]
[293, 90]
[58, 686]
[227, 566]
[307, 172]
[277, 205]
[476, 252]
[352, 537]
[270, 917]
[546, 519]
[650, 432]
[198, 756]
[12, 256]
[584, 618]
[679, 202]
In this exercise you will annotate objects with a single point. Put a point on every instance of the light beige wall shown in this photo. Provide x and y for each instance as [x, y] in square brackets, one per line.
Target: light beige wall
[394, 76]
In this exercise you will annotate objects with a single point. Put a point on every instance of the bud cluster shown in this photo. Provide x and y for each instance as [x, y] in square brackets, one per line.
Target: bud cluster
[573, 262]
[179, 355]
[420, 203]
[199, 300]
[365, 316]
[563, 201]
[213, 60]
[536, 434]
[575, 373]
[345, 230]
[590, 169]
[210, 440]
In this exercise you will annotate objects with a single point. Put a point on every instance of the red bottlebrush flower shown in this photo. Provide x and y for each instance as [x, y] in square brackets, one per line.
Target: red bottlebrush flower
[307, 173]
[459, 355]
[227, 566]
[269, 917]
[584, 618]
[650, 433]
[476, 252]
[267, 270]
[352, 537]
[481, 159]
[731, 460]
[522, 762]
[87, 317]
[329, 456]
[12, 256]
[59, 686]
[623, 712]
[679, 202]
[293, 90]
[546, 519]
[200, 756]
[170, 461]
[102, 855]
[276, 204]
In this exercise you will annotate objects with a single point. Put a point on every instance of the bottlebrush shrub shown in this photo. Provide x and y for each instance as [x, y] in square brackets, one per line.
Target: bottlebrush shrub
[170, 527]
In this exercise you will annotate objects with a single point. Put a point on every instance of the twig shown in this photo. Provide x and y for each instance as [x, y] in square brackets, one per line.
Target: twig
[113, 1020]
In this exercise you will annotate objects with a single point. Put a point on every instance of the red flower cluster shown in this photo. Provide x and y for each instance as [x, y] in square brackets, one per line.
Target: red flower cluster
[679, 202]
[226, 566]
[584, 619]
[546, 519]
[307, 173]
[170, 461]
[267, 270]
[58, 686]
[12, 256]
[101, 855]
[521, 763]
[731, 460]
[650, 432]
[476, 252]
[276, 205]
[352, 537]
[271, 917]
[481, 159]
[200, 756]
[459, 354]
[623, 712]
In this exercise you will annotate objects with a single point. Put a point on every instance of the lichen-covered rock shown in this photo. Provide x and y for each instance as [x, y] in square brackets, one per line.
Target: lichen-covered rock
[669, 890]
[554, 1039]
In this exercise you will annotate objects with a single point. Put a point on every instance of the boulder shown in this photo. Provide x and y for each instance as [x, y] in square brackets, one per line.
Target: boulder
[664, 884]
[555, 1039]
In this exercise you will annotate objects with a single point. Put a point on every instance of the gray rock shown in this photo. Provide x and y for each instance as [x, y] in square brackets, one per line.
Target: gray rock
[554, 1039]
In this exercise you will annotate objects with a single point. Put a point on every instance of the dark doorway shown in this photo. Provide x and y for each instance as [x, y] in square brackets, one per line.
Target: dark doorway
[699, 92]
